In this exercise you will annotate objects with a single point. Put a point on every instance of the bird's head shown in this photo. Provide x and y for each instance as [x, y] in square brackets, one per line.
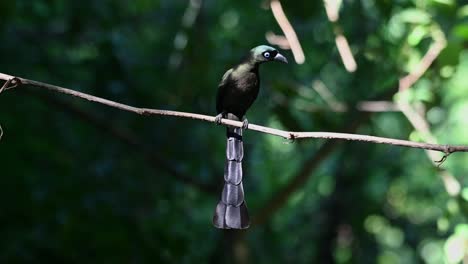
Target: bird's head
[264, 53]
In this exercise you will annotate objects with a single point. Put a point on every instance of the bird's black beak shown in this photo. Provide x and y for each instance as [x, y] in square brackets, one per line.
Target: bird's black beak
[280, 58]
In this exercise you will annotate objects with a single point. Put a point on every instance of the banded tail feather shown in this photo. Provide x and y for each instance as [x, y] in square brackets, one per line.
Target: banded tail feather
[231, 211]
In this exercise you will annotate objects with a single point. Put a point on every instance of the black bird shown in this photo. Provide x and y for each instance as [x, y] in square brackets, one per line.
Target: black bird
[237, 91]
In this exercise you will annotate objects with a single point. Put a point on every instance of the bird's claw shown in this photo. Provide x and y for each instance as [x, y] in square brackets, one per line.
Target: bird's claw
[218, 119]
[245, 124]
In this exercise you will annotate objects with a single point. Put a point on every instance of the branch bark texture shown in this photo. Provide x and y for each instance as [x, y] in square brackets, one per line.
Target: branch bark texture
[291, 135]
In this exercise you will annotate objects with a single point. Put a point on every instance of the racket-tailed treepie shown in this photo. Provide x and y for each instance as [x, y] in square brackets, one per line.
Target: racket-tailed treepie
[237, 91]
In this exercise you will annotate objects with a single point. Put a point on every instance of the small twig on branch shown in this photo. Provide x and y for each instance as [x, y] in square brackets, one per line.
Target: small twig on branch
[277, 132]
[439, 162]
[432, 54]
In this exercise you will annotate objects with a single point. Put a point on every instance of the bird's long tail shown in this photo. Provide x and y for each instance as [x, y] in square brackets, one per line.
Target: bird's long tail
[231, 211]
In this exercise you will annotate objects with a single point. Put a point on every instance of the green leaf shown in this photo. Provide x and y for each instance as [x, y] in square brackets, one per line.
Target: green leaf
[415, 16]
[461, 31]
[462, 11]
[417, 34]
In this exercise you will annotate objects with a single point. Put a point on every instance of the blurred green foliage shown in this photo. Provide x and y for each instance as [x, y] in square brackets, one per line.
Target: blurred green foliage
[84, 183]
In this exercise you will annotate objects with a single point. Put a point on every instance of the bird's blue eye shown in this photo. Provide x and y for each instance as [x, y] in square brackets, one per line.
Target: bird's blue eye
[266, 55]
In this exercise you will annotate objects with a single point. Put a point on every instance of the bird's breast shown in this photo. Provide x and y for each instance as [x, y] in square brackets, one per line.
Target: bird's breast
[247, 83]
[239, 91]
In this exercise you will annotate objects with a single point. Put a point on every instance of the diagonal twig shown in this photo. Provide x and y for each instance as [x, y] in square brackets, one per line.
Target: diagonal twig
[419, 122]
[288, 31]
[434, 50]
[182, 37]
[332, 7]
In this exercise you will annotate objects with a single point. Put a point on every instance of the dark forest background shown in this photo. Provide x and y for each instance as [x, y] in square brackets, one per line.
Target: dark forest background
[86, 183]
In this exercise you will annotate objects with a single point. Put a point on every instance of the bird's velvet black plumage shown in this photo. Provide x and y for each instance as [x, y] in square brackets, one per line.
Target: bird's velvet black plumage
[237, 91]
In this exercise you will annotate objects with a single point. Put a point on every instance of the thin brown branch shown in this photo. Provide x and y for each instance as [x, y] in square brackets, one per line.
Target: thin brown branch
[447, 149]
[332, 9]
[418, 121]
[182, 37]
[332, 103]
[433, 52]
[364, 106]
[377, 106]
[288, 31]
[345, 52]
[328, 96]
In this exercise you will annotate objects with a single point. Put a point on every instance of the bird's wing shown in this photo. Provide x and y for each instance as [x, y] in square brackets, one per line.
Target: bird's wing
[221, 91]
